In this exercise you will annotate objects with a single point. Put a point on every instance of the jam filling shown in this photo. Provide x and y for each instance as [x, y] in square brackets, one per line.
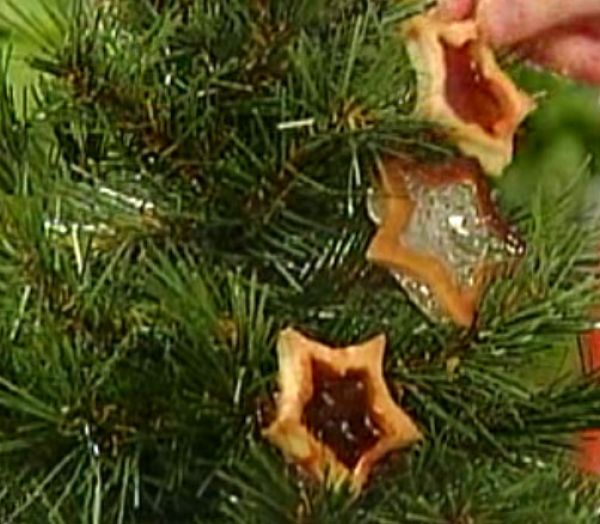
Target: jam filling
[338, 413]
[468, 92]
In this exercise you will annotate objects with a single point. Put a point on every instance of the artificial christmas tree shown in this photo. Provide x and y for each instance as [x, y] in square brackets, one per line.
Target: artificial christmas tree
[194, 179]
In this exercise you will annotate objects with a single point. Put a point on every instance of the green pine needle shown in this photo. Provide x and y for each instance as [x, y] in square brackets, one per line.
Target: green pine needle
[192, 179]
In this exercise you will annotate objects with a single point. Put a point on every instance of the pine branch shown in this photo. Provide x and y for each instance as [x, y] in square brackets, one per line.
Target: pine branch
[428, 490]
[204, 187]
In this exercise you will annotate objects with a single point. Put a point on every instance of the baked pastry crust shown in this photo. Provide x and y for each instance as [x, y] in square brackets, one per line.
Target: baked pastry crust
[428, 37]
[458, 300]
[298, 443]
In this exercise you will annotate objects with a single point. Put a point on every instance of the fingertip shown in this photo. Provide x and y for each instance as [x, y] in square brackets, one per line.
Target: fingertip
[456, 9]
[574, 55]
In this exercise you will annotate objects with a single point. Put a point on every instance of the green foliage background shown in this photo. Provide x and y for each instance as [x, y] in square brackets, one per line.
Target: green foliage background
[135, 357]
[29, 27]
[561, 139]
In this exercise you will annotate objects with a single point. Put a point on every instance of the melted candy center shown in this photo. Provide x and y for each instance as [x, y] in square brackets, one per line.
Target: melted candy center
[468, 92]
[338, 413]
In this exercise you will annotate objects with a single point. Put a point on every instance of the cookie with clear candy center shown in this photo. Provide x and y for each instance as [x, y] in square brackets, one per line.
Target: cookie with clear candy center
[439, 234]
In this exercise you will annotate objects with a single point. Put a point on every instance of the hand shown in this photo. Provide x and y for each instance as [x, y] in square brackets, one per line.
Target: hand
[563, 35]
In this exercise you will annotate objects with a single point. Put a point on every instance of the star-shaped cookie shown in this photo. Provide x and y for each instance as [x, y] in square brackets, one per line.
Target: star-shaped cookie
[335, 416]
[461, 86]
[439, 234]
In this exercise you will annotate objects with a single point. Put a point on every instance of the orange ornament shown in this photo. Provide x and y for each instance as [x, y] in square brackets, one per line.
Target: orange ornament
[588, 458]
[335, 416]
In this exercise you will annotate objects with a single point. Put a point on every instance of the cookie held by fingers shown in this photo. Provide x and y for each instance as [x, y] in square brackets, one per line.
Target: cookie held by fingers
[562, 36]
[461, 86]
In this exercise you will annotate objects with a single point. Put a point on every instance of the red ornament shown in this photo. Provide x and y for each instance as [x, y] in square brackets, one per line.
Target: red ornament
[588, 459]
